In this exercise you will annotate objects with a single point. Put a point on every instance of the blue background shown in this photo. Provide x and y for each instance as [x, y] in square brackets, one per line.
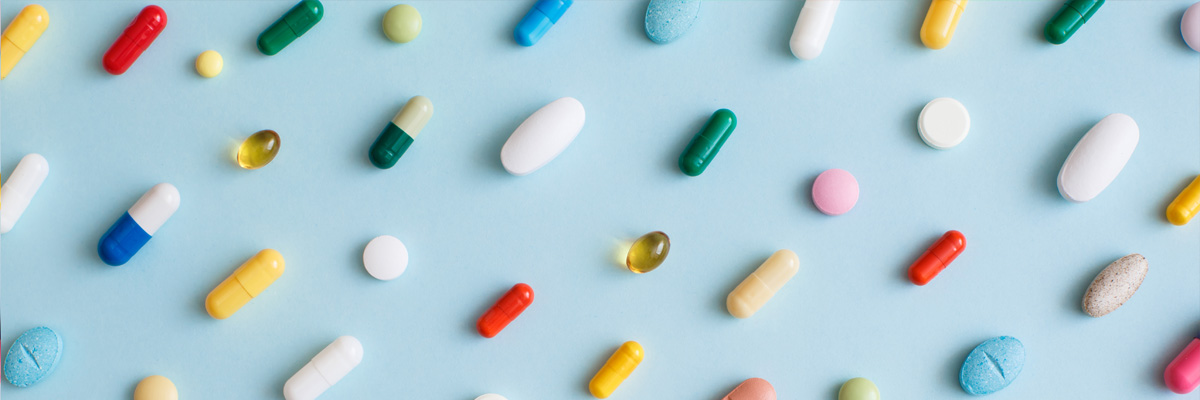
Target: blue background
[473, 230]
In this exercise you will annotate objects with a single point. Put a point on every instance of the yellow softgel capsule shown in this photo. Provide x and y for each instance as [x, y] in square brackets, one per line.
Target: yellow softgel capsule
[1186, 205]
[258, 150]
[761, 285]
[155, 387]
[209, 64]
[246, 283]
[21, 34]
[648, 252]
[402, 23]
[618, 367]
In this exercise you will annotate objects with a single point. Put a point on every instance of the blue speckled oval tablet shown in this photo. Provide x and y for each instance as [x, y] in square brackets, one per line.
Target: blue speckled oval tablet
[667, 20]
[992, 366]
[32, 357]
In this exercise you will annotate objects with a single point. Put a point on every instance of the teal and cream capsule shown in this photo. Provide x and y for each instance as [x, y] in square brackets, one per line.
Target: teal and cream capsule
[400, 133]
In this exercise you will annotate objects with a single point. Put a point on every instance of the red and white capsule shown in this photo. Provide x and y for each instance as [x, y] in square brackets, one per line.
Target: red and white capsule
[511, 305]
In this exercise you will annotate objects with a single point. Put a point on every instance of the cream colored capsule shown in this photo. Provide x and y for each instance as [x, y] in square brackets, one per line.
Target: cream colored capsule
[1186, 205]
[760, 286]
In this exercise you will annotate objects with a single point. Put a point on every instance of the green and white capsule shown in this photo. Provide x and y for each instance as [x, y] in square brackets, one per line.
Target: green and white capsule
[400, 133]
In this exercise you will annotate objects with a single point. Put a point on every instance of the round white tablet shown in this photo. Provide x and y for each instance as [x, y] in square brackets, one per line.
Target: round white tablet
[385, 258]
[943, 123]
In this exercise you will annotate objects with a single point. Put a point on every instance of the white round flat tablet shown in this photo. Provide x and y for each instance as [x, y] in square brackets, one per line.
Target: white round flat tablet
[385, 258]
[943, 123]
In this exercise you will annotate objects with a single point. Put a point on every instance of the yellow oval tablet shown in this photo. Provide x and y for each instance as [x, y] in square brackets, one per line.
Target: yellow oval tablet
[761, 285]
[155, 387]
[209, 64]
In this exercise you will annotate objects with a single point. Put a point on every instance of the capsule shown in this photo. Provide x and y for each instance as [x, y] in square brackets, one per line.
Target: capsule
[297, 21]
[136, 226]
[511, 305]
[135, 39]
[18, 191]
[705, 145]
[543, 15]
[258, 150]
[1182, 209]
[246, 283]
[648, 252]
[21, 34]
[325, 370]
[1183, 373]
[762, 284]
[812, 28]
[619, 366]
[1070, 18]
[937, 257]
[940, 22]
[400, 133]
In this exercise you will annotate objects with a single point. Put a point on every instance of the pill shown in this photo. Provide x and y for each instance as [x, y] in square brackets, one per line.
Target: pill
[1185, 206]
[20, 35]
[508, 308]
[752, 389]
[136, 226]
[943, 123]
[543, 15]
[705, 145]
[1069, 18]
[32, 357]
[400, 132]
[940, 22]
[937, 257]
[812, 28]
[491, 396]
[1183, 373]
[648, 252]
[297, 21]
[1190, 26]
[325, 370]
[542, 136]
[858, 389]
[1115, 285]
[402, 23]
[246, 283]
[1098, 157]
[258, 150]
[18, 190]
[385, 258]
[135, 39]
[667, 20]
[992, 365]
[835, 191]
[155, 387]
[209, 64]
[762, 284]
[616, 369]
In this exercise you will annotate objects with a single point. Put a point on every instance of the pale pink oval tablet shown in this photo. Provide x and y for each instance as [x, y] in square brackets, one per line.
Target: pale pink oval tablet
[835, 191]
[752, 389]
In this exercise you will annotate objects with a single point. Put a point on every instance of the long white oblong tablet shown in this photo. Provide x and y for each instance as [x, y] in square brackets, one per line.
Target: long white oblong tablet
[18, 191]
[1098, 158]
[812, 28]
[325, 370]
[543, 136]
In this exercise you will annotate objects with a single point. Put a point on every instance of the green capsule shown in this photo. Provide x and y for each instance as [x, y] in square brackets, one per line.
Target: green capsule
[1069, 18]
[704, 145]
[648, 252]
[400, 133]
[290, 26]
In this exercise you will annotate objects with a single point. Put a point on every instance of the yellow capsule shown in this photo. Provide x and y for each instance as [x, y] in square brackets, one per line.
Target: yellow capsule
[761, 285]
[1186, 205]
[246, 283]
[21, 34]
[940, 21]
[618, 367]
[648, 252]
[258, 150]
[155, 387]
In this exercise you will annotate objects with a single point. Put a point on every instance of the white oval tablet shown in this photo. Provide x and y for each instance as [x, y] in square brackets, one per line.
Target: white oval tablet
[385, 258]
[542, 136]
[491, 396]
[18, 191]
[943, 123]
[1098, 158]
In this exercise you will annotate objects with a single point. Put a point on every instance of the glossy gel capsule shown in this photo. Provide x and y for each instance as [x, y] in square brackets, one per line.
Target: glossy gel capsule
[246, 283]
[295, 23]
[705, 145]
[648, 252]
[400, 133]
[20, 35]
[258, 150]
[136, 226]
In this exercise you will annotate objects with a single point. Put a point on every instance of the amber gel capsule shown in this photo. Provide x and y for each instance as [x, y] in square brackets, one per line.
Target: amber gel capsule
[648, 252]
[704, 146]
[400, 133]
[1070, 18]
[258, 150]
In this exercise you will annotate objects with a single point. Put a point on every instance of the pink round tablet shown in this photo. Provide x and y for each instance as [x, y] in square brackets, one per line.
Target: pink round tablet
[752, 389]
[835, 191]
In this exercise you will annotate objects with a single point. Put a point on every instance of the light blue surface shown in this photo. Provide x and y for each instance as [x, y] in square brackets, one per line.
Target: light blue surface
[473, 230]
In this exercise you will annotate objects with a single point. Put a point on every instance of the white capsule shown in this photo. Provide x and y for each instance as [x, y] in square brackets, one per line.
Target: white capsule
[812, 28]
[22, 184]
[491, 396]
[325, 370]
[543, 136]
[1098, 158]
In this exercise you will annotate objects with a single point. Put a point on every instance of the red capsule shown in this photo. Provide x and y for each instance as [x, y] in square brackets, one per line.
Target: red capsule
[136, 38]
[938, 257]
[505, 310]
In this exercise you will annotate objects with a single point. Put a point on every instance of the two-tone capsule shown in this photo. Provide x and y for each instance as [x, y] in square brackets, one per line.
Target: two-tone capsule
[18, 191]
[543, 15]
[136, 226]
[705, 145]
[246, 283]
[762, 284]
[21, 34]
[511, 305]
[937, 257]
[1070, 18]
[400, 132]
[325, 370]
[302, 17]
[616, 369]
[940, 22]
[135, 39]
[1185, 206]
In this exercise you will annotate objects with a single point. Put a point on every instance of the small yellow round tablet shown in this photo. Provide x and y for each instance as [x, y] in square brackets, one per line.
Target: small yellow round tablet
[155, 387]
[209, 64]
[402, 23]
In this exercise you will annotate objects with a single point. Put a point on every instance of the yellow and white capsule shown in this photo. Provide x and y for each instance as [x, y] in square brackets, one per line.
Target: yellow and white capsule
[761, 285]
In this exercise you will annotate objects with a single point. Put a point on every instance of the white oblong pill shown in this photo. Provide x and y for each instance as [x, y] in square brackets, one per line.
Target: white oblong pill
[20, 187]
[326, 369]
[812, 28]
[491, 396]
[1098, 158]
[543, 136]
[155, 207]
[943, 123]
[385, 258]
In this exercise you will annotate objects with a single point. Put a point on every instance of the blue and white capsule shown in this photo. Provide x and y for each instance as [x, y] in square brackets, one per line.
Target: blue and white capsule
[137, 225]
[539, 19]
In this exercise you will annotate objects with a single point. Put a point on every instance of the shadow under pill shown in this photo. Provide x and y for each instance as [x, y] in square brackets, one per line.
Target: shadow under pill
[489, 151]
[602, 358]
[912, 130]
[1170, 350]
[723, 299]
[1173, 31]
[836, 390]
[787, 25]
[919, 10]
[304, 358]
[1038, 30]
[1073, 299]
[954, 366]
[918, 249]
[1161, 212]
[637, 21]
[671, 163]
[472, 323]
[368, 138]
[1047, 172]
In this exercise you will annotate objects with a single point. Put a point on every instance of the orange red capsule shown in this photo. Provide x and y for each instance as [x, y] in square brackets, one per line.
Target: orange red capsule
[938, 257]
[505, 310]
[135, 39]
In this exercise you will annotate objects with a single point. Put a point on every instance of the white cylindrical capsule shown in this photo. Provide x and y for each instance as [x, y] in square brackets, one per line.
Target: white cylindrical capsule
[812, 28]
[22, 184]
[325, 370]
[136, 226]
[491, 396]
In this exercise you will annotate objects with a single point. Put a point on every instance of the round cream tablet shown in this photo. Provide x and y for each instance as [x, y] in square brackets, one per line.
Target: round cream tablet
[385, 258]
[943, 123]
[155, 387]
[209, 64]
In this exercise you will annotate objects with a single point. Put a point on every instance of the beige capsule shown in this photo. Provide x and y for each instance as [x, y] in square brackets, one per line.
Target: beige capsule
[1115, 285]
[761, 285]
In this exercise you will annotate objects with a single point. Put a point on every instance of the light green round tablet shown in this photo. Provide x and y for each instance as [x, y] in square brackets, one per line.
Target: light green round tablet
[402, 23]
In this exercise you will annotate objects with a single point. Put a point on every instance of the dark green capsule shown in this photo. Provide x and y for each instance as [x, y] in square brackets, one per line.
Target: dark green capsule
[1069, 18]
[400, 133]
[707, 142]
[290, 26]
